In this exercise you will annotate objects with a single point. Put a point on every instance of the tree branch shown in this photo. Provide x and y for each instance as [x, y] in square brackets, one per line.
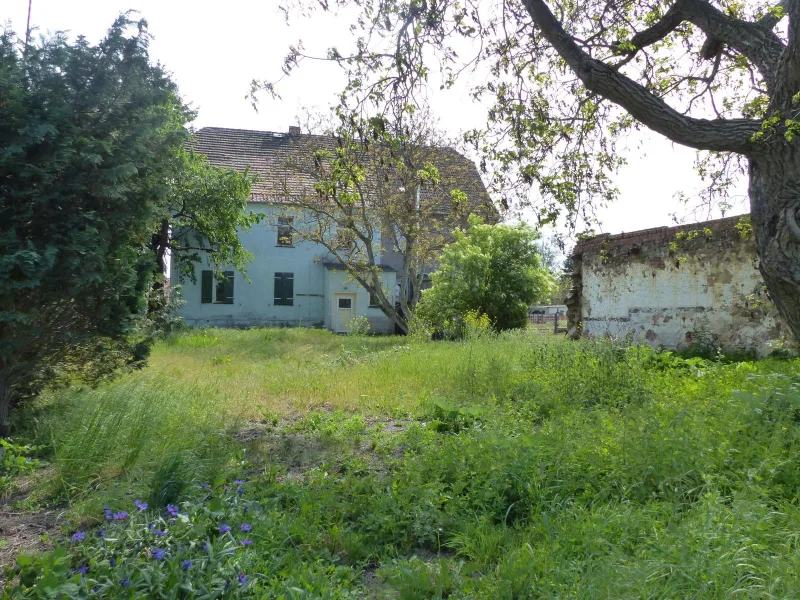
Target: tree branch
[755, 41]
[732, 135]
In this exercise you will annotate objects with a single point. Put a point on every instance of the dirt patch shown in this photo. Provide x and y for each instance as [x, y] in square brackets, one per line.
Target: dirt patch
[25, 533]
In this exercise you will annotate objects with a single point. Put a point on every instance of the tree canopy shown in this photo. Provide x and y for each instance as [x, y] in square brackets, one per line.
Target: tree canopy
[568, 79]
[384, 186]
[93, 169]
[492, 270]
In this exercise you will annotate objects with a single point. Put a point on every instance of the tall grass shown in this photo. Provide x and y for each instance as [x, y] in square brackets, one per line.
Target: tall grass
[523, 467]
[128, 427]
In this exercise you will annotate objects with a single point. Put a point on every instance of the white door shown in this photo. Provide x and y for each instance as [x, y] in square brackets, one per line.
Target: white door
[345, 309]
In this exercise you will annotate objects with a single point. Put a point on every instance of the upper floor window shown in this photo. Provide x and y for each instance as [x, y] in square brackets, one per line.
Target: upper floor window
[285, 231]
[221, 293]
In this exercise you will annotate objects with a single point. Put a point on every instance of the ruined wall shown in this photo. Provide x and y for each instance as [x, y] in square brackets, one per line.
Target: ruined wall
[672, 292]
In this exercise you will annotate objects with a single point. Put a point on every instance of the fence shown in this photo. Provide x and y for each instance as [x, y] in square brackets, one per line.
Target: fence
[548, 324]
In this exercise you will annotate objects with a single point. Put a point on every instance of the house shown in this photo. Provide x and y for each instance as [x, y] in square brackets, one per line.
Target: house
[674, 287]
[292, 282]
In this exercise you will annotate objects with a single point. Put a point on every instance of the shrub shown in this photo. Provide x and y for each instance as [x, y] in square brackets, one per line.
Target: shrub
[492, 270]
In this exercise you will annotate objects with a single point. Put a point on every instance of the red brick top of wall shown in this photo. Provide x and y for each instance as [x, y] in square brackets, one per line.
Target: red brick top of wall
[644, 236]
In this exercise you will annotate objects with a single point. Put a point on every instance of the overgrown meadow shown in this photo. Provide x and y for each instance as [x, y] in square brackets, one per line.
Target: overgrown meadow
[291, 463]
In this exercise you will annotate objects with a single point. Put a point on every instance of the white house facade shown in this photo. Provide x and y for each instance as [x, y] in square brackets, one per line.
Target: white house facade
[290, 282]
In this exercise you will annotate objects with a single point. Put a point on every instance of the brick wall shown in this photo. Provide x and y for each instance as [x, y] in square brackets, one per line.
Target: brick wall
[704, 289]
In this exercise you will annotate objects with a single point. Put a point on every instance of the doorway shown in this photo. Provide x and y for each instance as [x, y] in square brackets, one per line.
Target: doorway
[345, 311]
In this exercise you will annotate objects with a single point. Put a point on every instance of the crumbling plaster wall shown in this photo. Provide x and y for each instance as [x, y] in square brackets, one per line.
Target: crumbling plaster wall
[705, 290]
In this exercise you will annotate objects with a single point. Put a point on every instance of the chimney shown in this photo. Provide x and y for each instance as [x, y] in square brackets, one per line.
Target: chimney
[294, 130]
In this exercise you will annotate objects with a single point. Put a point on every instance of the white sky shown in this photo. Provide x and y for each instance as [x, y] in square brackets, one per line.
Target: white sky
[215, 49]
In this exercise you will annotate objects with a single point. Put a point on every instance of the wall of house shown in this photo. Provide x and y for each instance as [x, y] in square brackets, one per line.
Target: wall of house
[337, 282]
[254, 303]
[674, 293]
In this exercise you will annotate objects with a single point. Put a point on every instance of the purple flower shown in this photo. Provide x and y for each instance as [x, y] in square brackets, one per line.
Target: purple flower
[112, 562]
[120, 516]
[125, 582]
[158, 553]
[187, 564]
[151, 525]
[83, 569]
[108, 515]
[224, 528]
[160, 533]
[238, 482]
[246, 527]
[172, 521]
[78, 536]
[141, 505]
[172, 510]
[239, 491]
[246, 542]
[101, 533]
[242, 578]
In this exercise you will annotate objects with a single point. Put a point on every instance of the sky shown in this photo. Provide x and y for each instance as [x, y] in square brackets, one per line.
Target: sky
[214, 50]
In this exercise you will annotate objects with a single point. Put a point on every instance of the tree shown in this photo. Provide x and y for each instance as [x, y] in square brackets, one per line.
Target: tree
[494, 270]
[384, 185]
[91, 163]
[569, 78]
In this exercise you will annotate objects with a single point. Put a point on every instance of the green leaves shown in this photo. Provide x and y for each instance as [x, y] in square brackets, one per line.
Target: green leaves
[494, 270]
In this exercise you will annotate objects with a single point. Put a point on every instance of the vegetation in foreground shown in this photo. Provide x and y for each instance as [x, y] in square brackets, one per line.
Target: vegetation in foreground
[299, 464]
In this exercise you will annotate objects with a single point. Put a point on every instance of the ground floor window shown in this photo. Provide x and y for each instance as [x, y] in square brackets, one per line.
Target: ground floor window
[219, 293]
[284, 289]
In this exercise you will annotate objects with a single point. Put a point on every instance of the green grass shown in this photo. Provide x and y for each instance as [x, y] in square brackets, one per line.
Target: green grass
[512, 466]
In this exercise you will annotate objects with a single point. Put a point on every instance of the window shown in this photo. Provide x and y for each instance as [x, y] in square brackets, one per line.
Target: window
[284, 289]
[373, 301]
[221, 293]
[345, 303]
[285, 231]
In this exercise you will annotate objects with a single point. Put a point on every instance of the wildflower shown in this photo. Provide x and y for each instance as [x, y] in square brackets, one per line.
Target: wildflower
[160, 533]
[172, 510]
[151, 525]
[101, 533]
[83, 570]
[158, 553]
[112, 562]
[78, 536]
[187, 564]
[120, 516]
[238, 482]
[246, 542]
[242, 578]
[109, 516]
[224, 528]
[141, 505]
[246, 527]
[239, 491]
[172, 521]
[125, 582]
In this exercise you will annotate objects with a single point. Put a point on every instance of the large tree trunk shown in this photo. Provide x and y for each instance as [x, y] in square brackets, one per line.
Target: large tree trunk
[775, 211]
[6, 394]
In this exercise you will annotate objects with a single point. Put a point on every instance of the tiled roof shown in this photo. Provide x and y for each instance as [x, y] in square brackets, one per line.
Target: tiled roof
[277, 158]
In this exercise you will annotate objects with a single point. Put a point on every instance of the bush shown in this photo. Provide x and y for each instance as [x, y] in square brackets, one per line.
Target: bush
[492, 270]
